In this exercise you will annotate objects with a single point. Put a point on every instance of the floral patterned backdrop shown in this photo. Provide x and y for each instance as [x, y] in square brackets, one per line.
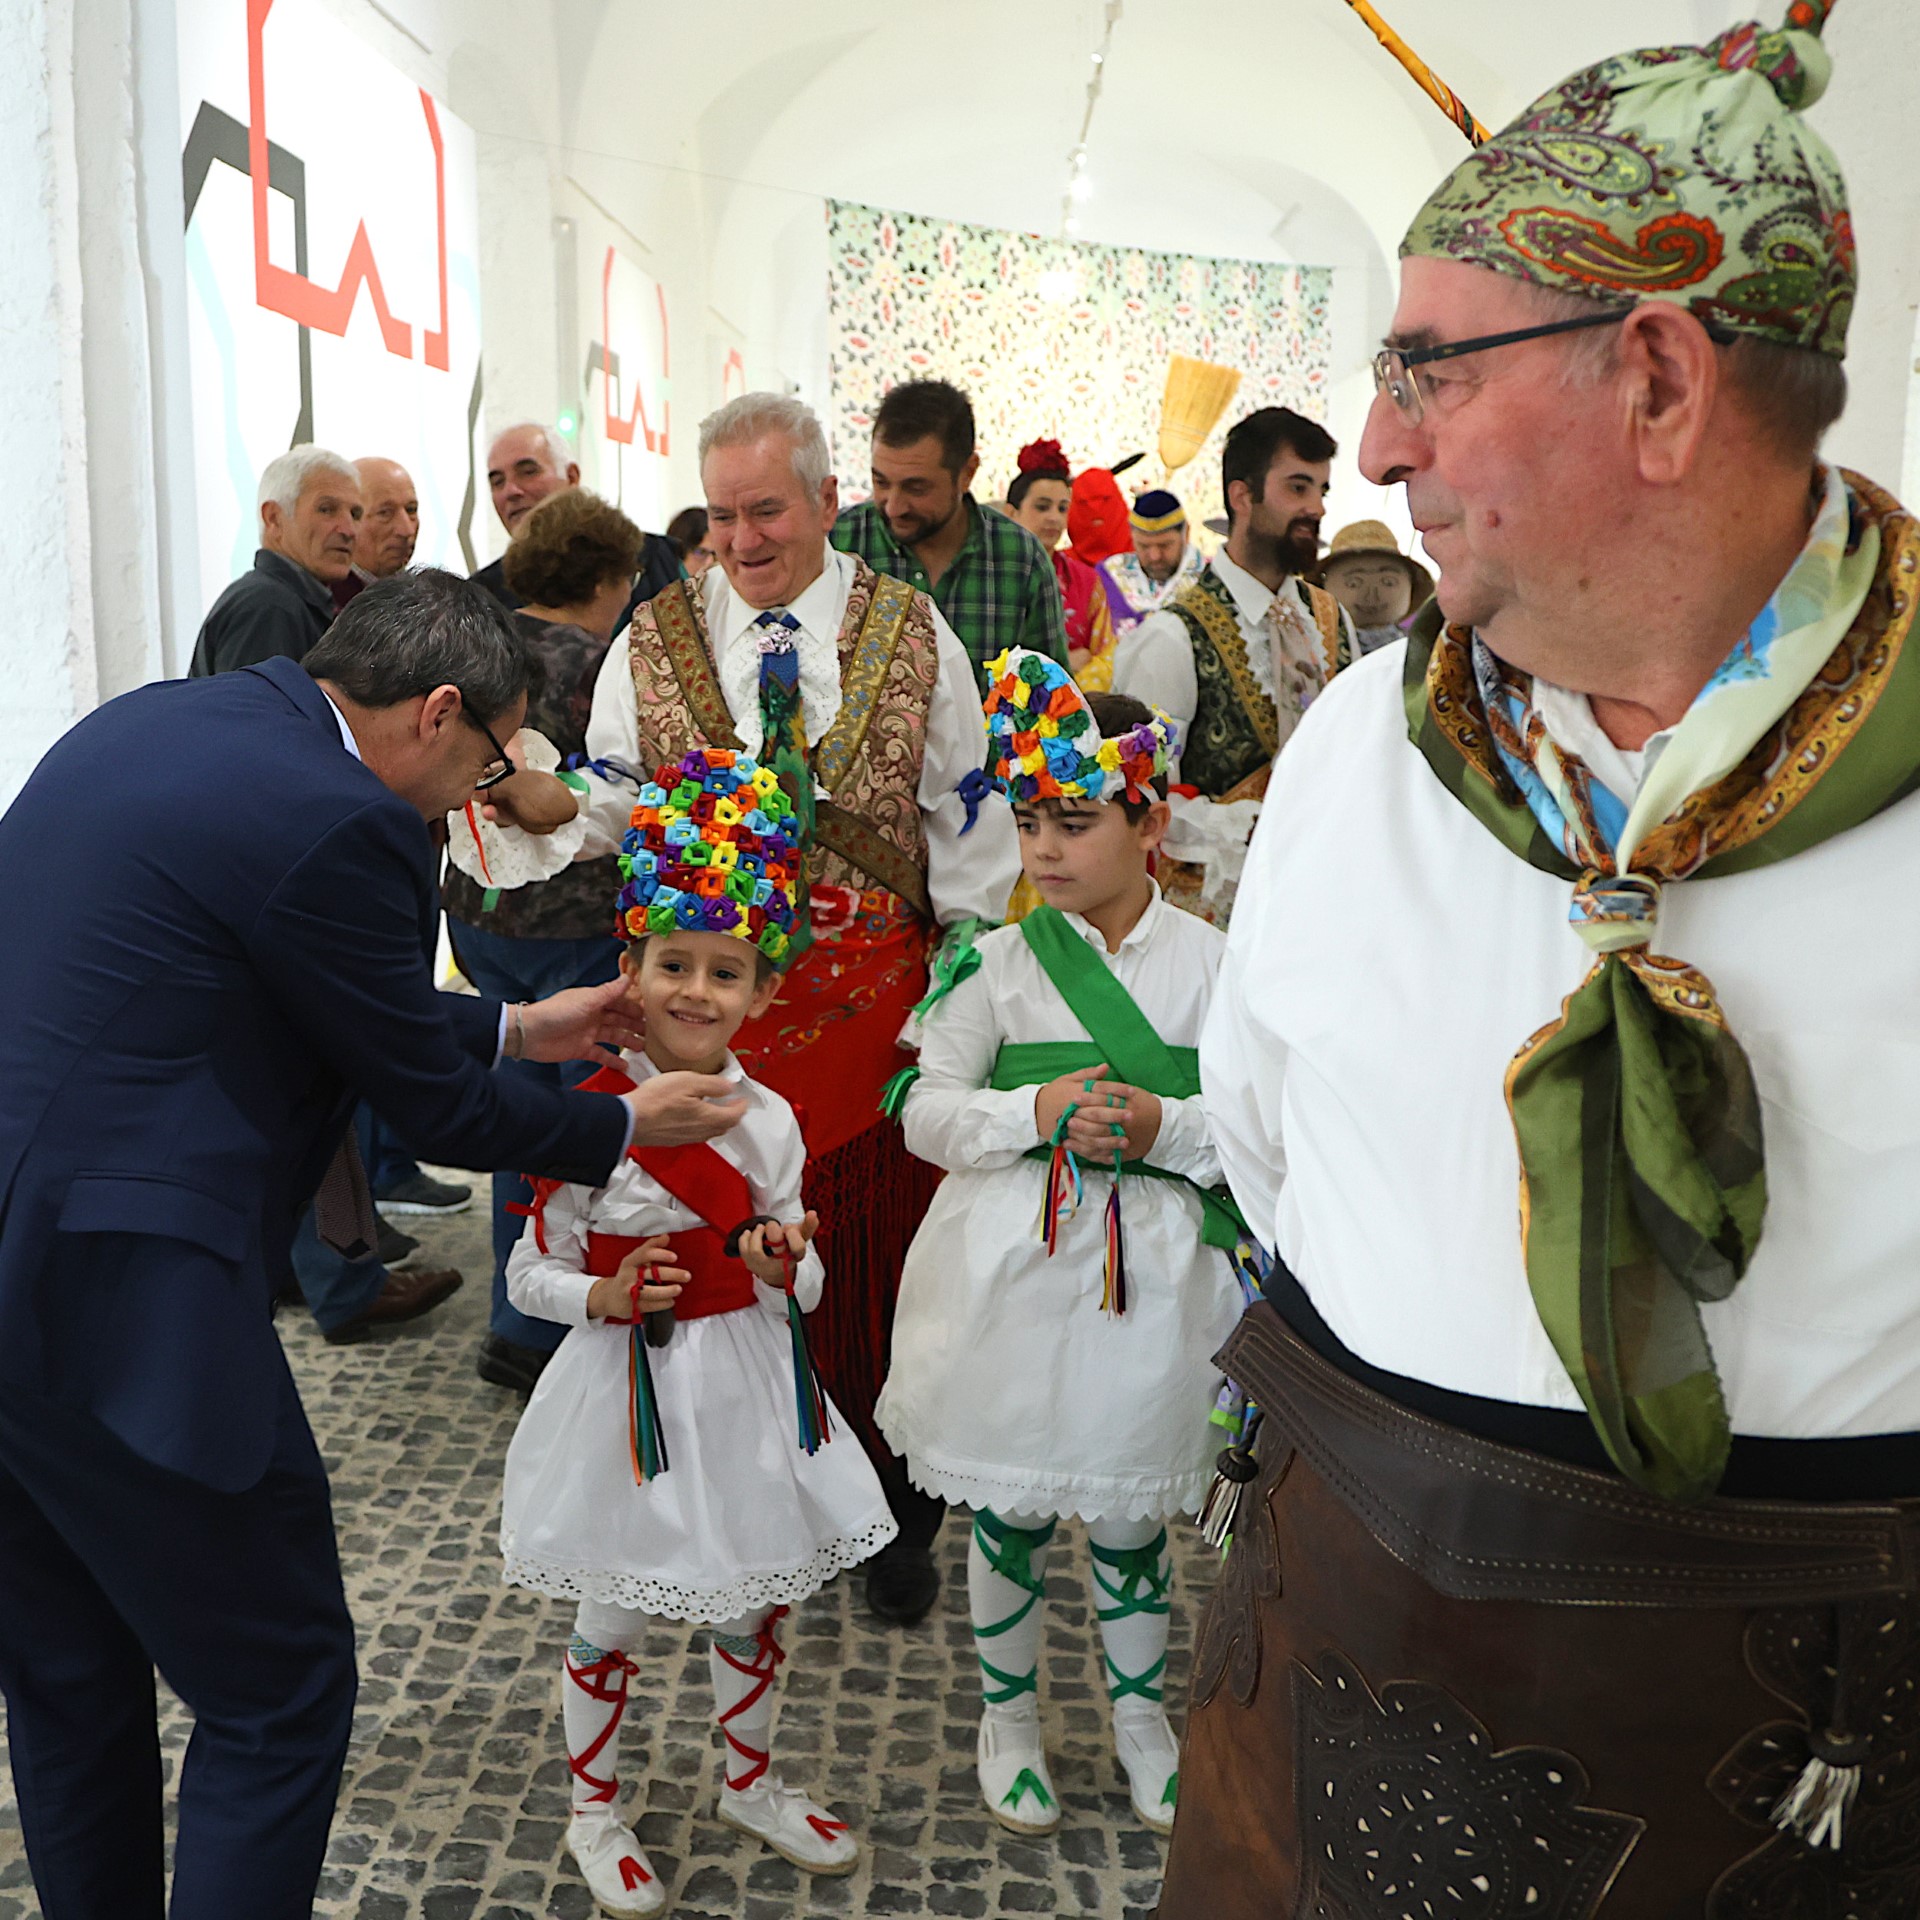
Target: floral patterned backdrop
[1058, 341]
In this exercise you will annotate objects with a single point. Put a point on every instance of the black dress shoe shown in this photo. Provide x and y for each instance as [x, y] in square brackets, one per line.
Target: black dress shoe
[508, 1364]
[902, 1584]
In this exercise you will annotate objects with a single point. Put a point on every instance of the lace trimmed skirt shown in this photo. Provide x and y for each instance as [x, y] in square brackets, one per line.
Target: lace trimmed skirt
[741, 1520]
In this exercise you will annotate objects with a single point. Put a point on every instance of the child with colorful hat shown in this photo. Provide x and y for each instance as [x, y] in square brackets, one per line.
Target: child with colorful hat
[678, 1458]
[1061, 1301]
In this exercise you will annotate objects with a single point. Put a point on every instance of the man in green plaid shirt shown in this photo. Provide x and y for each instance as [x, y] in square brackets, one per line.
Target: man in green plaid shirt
[990, 577]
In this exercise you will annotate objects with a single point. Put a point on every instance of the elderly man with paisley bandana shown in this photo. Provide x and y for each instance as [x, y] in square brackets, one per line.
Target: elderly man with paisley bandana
[1567, 1058]
[851, 689]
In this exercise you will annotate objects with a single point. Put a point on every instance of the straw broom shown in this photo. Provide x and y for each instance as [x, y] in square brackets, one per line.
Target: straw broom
[1197, 395]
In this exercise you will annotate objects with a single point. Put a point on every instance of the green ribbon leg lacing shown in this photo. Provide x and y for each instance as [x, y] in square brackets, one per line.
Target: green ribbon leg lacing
[1024, 1782]
[1009, 1551]
[1140, 1584]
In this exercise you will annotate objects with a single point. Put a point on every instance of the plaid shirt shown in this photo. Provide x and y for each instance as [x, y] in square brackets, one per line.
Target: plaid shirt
[999, 592]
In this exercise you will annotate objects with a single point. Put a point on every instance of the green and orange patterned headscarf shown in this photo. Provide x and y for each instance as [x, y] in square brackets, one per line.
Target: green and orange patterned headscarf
[1674, 173]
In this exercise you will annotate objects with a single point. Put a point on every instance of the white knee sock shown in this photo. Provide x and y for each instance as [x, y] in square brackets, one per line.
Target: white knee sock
[1006, 1583]
[745, 1656]
[593, 1699]
[1132, 1577]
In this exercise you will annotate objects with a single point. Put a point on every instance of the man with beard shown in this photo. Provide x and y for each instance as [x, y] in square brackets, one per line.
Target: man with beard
[1164, 560]
[1242, 650]
[988, 575]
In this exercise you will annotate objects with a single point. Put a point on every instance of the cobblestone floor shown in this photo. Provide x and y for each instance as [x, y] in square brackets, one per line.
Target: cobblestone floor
[455, 1796]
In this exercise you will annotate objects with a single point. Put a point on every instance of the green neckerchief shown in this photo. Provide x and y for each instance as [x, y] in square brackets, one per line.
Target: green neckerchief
[1642, 1171]
[1124, 1039]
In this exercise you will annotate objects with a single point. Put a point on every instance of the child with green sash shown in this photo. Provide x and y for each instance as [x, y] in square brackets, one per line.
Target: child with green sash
[1062, 1300]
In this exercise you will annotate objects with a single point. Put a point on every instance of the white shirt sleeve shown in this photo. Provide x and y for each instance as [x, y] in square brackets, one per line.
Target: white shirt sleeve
[1154, 662]
[1243, 1061]
[789, 1157]
[553, 1285]
[971, 871]
[1184, 1143]
[952, 1118]
[613, 734]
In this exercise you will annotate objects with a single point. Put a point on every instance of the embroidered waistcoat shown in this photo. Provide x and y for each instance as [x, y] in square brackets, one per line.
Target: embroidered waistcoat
[869, 831]
[1236, 731]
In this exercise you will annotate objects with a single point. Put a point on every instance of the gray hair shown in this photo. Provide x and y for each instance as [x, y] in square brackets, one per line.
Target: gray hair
[1793, 393]
[755, 415]
[559, 454]
[404, 636]
[285, 478]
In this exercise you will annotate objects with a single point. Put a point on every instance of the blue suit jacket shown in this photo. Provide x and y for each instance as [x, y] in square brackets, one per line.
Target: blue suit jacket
[217, 932]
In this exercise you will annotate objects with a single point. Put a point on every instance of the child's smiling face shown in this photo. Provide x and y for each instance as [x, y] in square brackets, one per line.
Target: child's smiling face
[696, 990]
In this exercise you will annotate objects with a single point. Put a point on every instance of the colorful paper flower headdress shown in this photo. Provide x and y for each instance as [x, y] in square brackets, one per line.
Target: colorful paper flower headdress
[1043, 743]
[712, 847]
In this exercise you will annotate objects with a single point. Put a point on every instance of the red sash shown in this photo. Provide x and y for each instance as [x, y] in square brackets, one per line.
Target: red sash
[701, 1181]
[716, 1284]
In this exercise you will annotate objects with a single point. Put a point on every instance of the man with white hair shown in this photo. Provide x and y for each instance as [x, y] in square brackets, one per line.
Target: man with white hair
[524, 465]
[309, 515]
[852, 688]
[389, 526]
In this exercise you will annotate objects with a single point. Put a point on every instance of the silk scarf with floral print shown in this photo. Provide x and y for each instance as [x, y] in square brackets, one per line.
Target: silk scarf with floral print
[1642, 1167]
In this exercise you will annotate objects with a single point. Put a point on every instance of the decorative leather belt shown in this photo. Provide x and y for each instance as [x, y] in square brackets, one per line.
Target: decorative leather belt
[1479, 1521]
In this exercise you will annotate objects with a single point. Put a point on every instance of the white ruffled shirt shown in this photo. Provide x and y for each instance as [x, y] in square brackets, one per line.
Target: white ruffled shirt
[968, 871]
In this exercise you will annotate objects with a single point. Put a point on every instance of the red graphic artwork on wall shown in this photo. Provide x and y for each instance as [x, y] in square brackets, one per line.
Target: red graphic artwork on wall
[300, 299]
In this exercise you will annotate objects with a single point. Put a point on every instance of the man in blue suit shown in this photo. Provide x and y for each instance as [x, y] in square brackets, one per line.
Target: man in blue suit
[219, 898]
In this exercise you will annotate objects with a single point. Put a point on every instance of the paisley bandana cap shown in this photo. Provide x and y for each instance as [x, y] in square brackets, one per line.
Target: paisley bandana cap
[1042, 743]
[1674, 173]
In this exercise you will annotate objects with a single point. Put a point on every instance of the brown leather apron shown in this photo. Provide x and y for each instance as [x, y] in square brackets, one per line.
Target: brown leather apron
[1446, 1677]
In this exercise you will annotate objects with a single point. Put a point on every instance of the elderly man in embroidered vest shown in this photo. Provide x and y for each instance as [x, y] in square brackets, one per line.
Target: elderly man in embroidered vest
[853, 688]
[1240, 651]
[1577, 1572]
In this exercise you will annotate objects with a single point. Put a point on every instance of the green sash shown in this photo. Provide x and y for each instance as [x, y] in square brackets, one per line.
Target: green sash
[1124, 1039]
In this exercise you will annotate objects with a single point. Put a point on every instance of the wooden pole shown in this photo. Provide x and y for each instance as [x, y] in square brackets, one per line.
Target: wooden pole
[1429, 82]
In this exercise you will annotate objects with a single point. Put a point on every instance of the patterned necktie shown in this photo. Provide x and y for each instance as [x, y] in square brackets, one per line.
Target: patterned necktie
[785, 747]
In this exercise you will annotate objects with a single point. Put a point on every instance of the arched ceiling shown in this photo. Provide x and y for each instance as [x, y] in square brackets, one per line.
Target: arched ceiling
[1270, 129]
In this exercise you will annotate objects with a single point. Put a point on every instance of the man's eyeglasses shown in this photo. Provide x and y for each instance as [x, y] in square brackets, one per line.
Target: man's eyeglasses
[1393, 367]
[500, 768]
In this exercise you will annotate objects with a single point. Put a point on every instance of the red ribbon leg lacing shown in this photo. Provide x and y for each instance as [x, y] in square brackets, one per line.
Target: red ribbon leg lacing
[605, 1680]
[767, 1656]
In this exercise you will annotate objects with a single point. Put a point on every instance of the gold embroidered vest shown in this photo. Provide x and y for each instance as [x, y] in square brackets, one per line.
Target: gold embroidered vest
[868, 830]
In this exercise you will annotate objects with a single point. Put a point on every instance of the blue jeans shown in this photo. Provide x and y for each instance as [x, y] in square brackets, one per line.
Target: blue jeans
[389, 1165]
[337, 1289]
[505, 968]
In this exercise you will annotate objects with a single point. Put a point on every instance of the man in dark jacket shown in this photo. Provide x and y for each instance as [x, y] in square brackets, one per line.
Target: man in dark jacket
[524, 465]
[309, 514]
[220, 897]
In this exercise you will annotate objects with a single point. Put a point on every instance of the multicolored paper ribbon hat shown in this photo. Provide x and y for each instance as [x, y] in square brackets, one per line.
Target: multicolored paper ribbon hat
[1043, 743]
[712, 847]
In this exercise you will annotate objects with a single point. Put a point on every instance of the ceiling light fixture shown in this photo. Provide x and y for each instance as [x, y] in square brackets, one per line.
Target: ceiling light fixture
[1079, 187]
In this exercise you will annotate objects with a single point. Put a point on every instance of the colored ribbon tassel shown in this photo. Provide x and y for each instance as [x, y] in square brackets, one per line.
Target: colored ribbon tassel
[1061, 1198]
[810, 1400]
[646, 1439]
[1113, 1293]
[893, 1096]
